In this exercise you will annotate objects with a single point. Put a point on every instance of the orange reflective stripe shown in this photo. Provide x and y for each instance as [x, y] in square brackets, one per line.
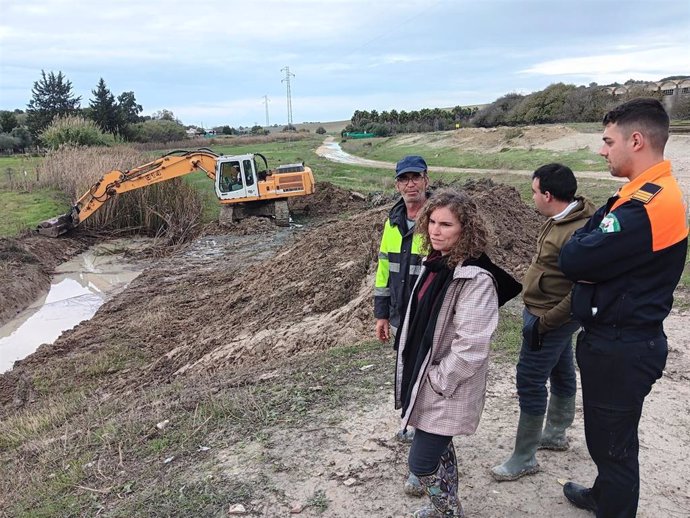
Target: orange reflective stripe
[668, 216]
[666, 209]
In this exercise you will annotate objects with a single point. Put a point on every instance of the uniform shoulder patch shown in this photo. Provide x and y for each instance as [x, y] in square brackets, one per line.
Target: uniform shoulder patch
[610, 224]
[647, 192]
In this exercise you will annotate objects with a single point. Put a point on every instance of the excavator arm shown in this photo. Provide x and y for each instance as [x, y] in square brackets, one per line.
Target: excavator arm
[172, 165]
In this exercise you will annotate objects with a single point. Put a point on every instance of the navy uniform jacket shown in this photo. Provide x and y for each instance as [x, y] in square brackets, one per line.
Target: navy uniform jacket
[627, 260]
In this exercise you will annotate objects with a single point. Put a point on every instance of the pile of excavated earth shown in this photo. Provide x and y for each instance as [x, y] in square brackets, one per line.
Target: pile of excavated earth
[239, 295]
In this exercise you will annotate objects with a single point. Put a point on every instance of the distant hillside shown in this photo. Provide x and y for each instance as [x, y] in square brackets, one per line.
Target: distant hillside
[330, 127]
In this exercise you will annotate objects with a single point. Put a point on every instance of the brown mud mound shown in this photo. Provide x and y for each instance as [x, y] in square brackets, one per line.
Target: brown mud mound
[328, 199]
[25, 268]
[255, 298]
[513, 224]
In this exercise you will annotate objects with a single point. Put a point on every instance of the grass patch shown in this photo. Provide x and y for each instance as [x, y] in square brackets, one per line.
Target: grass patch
[22, 210]
[17, 170]
[454, 156]
[507, 339]
[318, 501]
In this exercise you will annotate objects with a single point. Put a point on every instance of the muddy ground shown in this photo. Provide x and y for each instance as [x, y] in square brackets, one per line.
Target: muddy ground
[257, 300]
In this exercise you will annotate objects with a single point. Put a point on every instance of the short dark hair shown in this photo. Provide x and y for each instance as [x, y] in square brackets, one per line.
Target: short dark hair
[557, 179]
[645, 115]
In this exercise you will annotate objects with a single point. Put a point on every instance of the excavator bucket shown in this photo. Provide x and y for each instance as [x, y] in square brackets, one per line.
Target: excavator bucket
[56, 226]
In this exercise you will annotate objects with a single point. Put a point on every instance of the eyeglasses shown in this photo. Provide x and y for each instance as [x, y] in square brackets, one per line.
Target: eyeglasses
[417, 178]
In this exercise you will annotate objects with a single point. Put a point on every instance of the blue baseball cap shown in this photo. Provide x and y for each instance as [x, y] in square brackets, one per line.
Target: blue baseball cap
[410, 164]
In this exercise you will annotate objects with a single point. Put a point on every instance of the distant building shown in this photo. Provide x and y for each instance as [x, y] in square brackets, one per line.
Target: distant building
[671, 89]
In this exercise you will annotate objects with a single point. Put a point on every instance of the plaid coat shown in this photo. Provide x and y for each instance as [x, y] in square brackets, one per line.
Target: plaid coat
[448, 394]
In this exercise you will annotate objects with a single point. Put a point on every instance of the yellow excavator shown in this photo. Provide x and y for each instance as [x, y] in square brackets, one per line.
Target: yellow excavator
[244, 185]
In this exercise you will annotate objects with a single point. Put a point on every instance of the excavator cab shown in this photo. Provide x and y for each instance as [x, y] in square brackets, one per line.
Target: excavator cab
[236, 177]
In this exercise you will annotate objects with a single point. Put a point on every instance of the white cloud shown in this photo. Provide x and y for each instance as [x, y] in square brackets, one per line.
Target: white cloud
[649, 64]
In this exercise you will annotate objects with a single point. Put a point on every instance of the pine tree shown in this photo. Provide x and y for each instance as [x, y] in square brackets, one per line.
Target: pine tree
[128, 113]
[104, 110]
[51, 97]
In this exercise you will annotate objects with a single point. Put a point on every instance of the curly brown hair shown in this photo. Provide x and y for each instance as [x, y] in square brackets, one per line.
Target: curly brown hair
[474, 236]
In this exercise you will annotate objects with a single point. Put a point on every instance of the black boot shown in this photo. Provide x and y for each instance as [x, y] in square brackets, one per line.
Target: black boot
[580, 496]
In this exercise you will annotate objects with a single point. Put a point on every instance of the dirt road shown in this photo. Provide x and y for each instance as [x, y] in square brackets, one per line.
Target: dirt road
[677, 150]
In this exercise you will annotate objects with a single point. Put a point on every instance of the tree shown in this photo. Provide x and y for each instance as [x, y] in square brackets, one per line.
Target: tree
[8, 143]
[165, 115]
[8, 121]
[129, 108]
[681, 109]
[51, 97]
[23, 137]
[258, 130]
[104, 109]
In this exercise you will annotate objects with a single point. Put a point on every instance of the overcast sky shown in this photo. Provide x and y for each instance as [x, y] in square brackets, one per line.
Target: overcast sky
[211, 61]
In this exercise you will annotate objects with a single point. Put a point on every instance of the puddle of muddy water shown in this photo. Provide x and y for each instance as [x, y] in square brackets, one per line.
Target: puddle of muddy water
[79, 287]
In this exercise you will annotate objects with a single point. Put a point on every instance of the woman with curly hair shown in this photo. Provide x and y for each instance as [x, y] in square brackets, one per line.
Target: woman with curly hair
[443, 345]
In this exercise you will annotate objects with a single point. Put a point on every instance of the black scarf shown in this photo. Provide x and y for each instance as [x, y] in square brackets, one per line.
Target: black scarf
[424, 313]
[423, 317]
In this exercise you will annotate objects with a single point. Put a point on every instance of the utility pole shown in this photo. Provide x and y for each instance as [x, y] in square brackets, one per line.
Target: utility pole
[289, 94]
[266, 101]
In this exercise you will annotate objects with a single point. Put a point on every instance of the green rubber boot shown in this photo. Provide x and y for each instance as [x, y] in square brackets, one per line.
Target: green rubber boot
[523, 460]
[559, 417]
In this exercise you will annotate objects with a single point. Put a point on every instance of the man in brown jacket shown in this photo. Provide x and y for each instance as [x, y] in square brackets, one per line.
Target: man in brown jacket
[547, 352]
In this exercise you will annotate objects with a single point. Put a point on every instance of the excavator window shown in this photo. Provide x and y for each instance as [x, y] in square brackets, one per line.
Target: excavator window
[248, 172]
[230, 177]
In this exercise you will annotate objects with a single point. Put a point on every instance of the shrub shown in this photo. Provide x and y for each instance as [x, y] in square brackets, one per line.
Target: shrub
[258, 130]
[321, 130]
[159, 130]
[72, 130]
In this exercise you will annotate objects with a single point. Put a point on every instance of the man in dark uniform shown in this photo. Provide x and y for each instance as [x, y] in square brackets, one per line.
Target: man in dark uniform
[625, 262]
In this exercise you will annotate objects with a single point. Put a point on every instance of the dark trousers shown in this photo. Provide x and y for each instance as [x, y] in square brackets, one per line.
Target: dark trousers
[617, 372]
[554, 362]
[426, 451]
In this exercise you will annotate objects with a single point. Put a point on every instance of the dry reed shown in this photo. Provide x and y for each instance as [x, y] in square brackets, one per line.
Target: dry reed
[221, 140]
[170, 210]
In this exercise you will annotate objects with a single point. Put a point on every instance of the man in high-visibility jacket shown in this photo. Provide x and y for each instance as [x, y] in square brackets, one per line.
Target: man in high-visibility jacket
[400, 262]
[399, 254]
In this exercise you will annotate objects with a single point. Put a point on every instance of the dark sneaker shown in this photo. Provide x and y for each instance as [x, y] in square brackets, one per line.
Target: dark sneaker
[580, 496]
[413, 486]
[405, 437]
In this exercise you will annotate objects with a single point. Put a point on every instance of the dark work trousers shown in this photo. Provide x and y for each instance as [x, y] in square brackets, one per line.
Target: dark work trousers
[617, 370]
[426, 451]
[554, 362]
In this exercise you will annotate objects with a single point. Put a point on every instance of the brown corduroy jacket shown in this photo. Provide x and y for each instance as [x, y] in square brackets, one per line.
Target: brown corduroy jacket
[448, 394]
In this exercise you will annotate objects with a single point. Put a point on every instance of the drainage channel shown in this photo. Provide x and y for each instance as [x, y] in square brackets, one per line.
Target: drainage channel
[78, 288]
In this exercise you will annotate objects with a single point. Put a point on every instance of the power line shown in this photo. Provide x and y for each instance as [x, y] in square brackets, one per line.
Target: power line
[266, 101]
[289, 94]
